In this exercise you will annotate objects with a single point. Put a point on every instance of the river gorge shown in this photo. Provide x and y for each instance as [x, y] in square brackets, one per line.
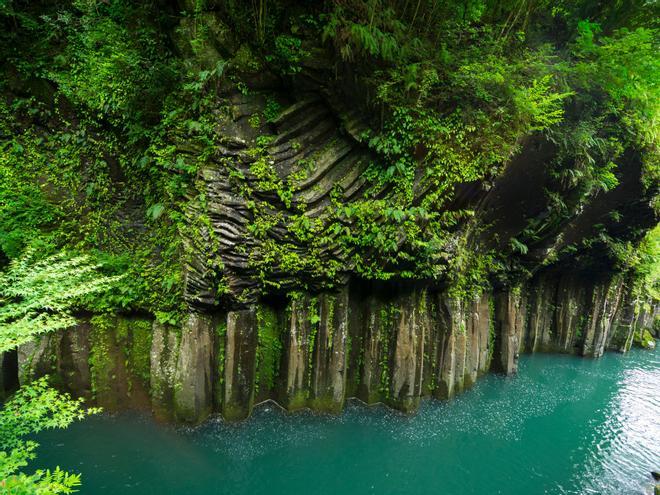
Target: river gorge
[333, 246]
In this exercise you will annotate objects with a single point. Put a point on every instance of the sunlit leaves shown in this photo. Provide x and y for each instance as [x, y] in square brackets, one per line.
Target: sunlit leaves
[34, 408]
[37, 296]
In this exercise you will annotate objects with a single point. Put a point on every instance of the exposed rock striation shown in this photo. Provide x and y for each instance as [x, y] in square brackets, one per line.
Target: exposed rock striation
[310, 340]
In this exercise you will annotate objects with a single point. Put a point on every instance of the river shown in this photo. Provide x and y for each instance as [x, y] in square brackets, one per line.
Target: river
[563, 425]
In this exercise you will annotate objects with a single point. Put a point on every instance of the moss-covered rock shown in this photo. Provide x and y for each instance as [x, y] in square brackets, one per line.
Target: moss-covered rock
[193, 391]
[644, 339]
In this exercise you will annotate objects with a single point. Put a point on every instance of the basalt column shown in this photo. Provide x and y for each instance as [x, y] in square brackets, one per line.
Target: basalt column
[163, 358]
[193, 376]
[604, 305]
[62, 354]
[104, 359]
[329, 371]
[240, 364]
[478, 325]
[412, 330]
[623, 326]
[541, 324]
[571, 307]
[394, 347]
[302, 325]
[447, 321]
[509, 330]
[376, 327]
[270, 335]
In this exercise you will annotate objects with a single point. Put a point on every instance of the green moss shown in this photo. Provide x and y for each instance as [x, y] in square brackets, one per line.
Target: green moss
[102, 364]
[255, 121]
[580, 327]
[139, 351]
[269, 348]
[313, 312]
[271, 110]
[221, 339]
[491, 330]
[389, 314]
[621, 338]
[644, 339]
[331, 301]
[120, 357]
[234, 412]
[245, 60]
[326, 404]
[297, 401]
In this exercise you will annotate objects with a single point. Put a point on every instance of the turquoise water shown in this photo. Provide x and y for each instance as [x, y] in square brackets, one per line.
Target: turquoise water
[563, 425]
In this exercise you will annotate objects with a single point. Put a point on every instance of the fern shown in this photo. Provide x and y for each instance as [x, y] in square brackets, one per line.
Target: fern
[518, 246]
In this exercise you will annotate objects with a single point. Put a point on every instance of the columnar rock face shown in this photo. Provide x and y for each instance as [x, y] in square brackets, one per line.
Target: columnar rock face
[606, 298]
[301, 325]
[163, 361]
[193, 376]
[647, 317]
[107, 358]
[509, 328]
[411, 338]
[541, 312]
[316, 350]
[330, 359]
[373, 374]
[240, 363]
[571, 306]
[298, 193]
[446, 328]
[479, 326]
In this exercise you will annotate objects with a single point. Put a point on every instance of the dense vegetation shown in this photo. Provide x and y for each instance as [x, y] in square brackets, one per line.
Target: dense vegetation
[109, 109]
[100, 97]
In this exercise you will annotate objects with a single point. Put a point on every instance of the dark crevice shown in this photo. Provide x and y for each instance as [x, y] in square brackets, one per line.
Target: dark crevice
[10, 372]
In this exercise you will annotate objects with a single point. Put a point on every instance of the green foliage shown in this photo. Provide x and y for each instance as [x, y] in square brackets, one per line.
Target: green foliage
[647, 265]
[34, 408]
[37, 296]
[117, 124]
[272, 110]
[379, 39]
[621, 72]
[644, 339]
[456, 100]
[615, 80]
[114, 60]
[518, 246]
[269, 348]
[37, 407]
[288, 53]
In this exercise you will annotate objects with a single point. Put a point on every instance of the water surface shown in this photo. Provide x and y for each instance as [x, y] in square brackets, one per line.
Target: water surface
[563, 425]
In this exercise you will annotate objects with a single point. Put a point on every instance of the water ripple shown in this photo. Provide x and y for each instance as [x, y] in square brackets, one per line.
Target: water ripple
[563, 425]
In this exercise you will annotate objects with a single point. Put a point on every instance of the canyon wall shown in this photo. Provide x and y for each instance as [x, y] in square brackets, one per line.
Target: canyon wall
[380, 344]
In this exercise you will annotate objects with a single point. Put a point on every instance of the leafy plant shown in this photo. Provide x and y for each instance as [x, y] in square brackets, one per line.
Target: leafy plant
[37, 296]
[35, 407]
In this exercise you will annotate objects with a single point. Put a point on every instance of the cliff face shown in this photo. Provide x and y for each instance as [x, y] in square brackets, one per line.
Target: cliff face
[379, 344]
[269, 207]
[320, 250]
